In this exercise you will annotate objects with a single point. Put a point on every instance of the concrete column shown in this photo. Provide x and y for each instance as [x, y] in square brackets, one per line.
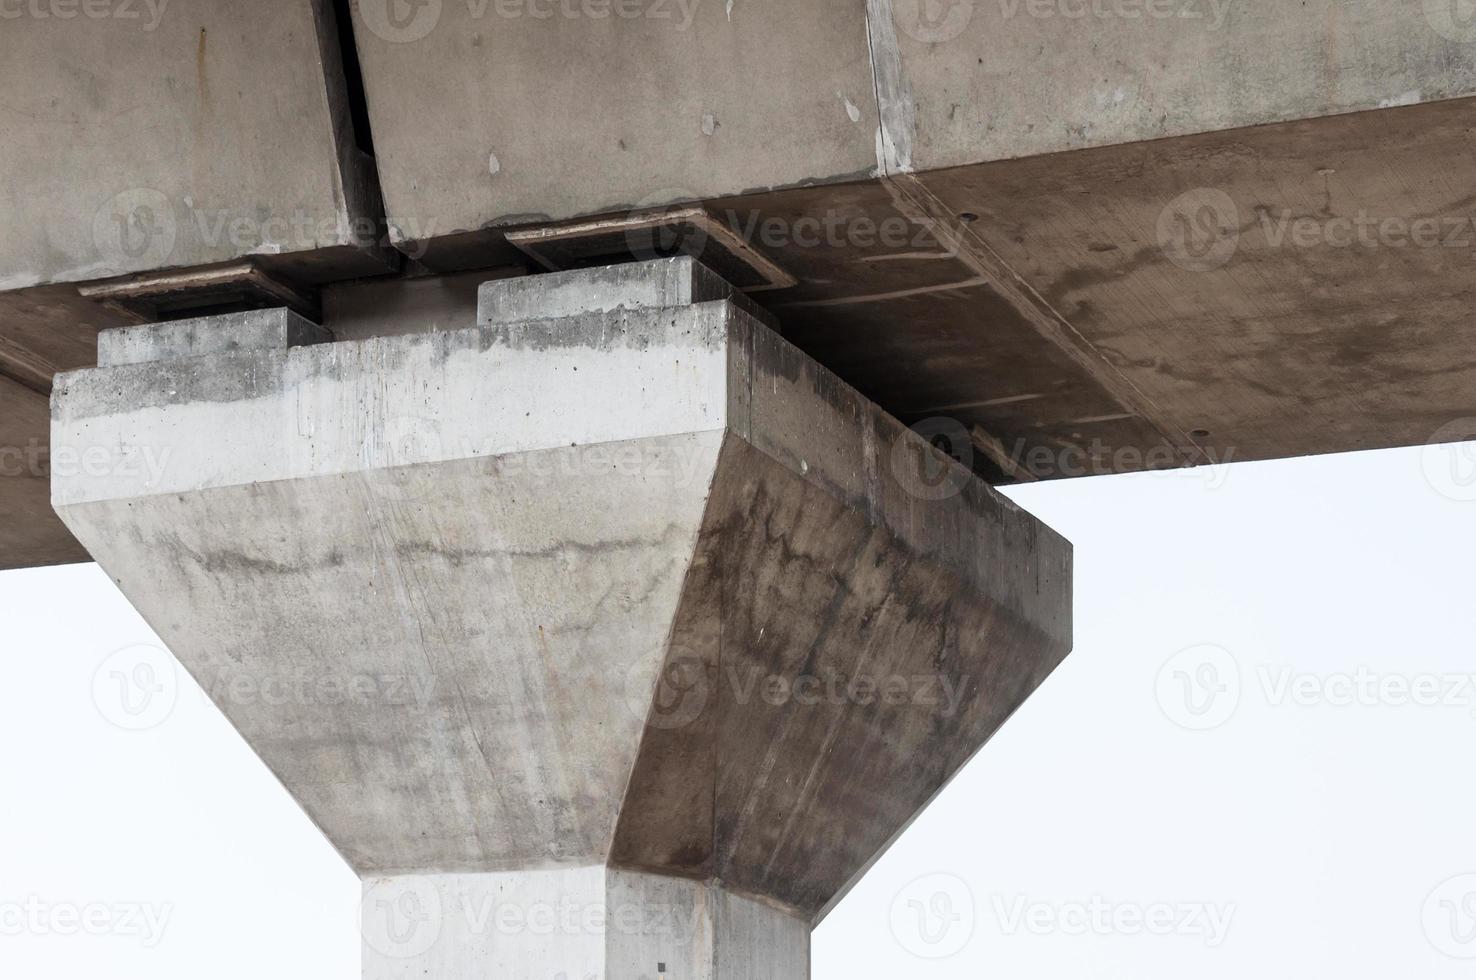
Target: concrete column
[609, 637]
[591, 921]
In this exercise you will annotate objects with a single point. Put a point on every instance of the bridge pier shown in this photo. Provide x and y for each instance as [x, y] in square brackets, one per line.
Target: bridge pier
[618, 637]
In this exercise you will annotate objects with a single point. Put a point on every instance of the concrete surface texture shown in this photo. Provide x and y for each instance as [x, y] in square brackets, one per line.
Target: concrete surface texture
[576, 922]
[719, 99]
[176, 339]
[645, 589]
[1085, 236]
[194, 134]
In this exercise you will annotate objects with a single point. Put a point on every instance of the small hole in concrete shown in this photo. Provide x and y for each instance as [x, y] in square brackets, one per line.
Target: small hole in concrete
[1200, 433]
[968, 217]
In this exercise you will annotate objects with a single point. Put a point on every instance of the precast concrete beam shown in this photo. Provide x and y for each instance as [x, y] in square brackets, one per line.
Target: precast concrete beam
[539, 111]
[194, 133]
[718, 99]
[643, 589]
[1084, 236]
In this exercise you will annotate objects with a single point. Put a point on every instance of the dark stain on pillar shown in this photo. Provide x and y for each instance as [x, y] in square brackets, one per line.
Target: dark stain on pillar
[200, 76]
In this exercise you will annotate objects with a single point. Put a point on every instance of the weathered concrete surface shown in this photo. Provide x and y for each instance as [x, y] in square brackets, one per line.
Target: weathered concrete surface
[554, 572]
[637, 286]
[30, 533]
[996, 238]
[177, 339]
[721, 99]
[1002, 79]
[889, 301]
[1328, 309]
[392, 307]
[575, 922]
[541, 111]
[796, 583]
[194, 133]
[42, 332]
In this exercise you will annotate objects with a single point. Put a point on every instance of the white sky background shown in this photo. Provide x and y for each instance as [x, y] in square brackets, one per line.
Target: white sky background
[1321, 830]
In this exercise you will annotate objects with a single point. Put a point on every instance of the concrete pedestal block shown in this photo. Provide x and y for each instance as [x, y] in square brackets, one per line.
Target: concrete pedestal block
[196, 337]
[644, 589]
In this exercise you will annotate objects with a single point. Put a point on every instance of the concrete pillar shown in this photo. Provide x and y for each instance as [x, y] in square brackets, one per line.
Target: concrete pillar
[592, 921]
[609, 637]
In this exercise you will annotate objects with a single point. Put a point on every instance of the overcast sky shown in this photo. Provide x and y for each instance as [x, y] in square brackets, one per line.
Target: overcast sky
[1256, 762]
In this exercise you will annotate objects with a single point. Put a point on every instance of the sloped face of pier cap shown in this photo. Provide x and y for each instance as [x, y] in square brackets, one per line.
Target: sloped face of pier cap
[642, 587]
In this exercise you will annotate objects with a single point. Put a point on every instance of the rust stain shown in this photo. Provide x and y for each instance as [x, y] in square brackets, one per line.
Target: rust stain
[200, 76]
